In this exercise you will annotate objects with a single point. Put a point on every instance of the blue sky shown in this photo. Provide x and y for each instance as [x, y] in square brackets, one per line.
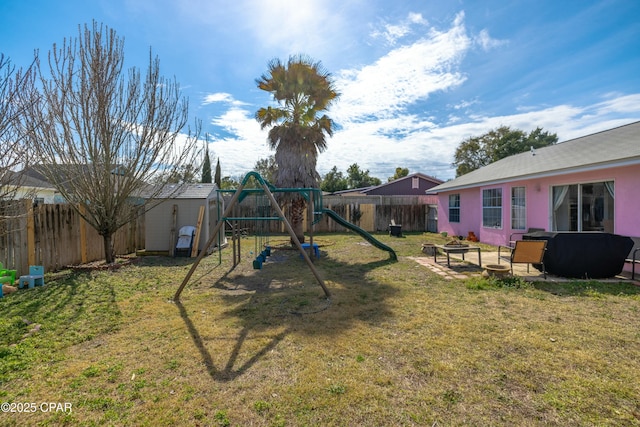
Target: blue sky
[416, 77]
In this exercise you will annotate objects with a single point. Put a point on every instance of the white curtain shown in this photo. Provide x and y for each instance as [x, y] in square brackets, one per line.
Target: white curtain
[559, 193]
[609, 186]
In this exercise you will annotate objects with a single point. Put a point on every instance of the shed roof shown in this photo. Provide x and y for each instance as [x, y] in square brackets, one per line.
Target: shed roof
[614, 147]
[187, 191]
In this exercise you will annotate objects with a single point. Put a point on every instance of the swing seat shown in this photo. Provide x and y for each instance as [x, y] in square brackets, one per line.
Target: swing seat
[316, 249]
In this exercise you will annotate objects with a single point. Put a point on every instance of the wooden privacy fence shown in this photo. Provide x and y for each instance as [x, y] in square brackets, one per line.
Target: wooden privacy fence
[54, 236]
[371, 213]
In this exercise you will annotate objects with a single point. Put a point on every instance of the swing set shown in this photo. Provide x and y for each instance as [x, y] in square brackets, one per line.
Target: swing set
[262, 244]
[265, 202]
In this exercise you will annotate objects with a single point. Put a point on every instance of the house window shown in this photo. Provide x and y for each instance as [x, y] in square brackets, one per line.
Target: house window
[415, 182]
[492, 208]
[454, 207]
[518, 209]
[583, 207]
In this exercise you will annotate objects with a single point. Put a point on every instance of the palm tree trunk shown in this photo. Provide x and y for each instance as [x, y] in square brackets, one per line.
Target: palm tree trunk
[297, 218]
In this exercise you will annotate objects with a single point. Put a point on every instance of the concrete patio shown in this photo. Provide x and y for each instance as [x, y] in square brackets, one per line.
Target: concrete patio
[469, 267]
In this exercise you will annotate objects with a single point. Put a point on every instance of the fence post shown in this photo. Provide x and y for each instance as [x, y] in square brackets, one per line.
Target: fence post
[31, 236]
[83, 235]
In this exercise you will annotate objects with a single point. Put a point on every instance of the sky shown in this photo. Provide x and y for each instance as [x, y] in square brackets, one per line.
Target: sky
[415, 77]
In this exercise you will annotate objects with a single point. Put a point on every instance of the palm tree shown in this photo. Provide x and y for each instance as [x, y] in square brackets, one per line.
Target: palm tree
[302, 89]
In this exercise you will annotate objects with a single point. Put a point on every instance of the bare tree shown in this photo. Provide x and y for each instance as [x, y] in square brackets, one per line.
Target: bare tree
[16, 93]
[101, 133]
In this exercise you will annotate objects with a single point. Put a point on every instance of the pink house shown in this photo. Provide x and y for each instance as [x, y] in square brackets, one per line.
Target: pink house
[590, 183]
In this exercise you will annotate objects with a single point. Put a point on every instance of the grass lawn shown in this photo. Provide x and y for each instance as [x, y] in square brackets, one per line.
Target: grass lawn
[396, 345]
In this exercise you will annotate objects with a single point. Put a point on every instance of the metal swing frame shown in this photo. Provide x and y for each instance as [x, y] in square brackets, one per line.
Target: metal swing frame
[241, 193]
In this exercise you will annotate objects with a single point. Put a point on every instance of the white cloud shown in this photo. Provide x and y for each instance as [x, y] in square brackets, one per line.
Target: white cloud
[221, 97]
[486, 42]
[417, 18]
[284, 28]
[246, 144]
[380, 127]
[392, 32]
[377, 130]
[618, 103]
[464, 104]
[429, 149]
[403, 76]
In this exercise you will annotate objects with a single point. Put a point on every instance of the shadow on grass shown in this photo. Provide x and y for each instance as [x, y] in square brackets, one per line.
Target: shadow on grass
[587, 288]
[280, 298]
[461, 267]
[64, 301]
[51, 318]
[78, 304]
[230, 371]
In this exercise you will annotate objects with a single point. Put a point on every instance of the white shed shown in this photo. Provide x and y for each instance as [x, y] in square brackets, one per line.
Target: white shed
[182, 208]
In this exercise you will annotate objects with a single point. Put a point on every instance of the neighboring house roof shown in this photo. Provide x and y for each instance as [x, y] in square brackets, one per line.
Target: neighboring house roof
[355, 191]
[24, 180]
[29, 181]
[19, 186]
[61, 171]
[395, 182]
[376, 188]
[37, 171]
[65, 173]
[615, 147]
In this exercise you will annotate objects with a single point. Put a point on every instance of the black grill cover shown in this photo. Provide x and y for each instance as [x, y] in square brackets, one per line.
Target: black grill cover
[591, 255]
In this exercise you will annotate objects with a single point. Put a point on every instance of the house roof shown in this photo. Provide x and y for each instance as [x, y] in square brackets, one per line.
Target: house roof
[614, 147]
[24, 180]
[62, 170]
[404, 178]
[64, 173]
[360, 190]
[366, 190]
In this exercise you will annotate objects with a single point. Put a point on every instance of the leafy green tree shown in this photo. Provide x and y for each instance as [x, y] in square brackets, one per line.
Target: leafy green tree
[206, 168]
[267, 168]
[400, 173]
[357, 178]
[184, 174]
[478, 151]
[218, 176]
[229, 183]
[334, 181]
[302, 90]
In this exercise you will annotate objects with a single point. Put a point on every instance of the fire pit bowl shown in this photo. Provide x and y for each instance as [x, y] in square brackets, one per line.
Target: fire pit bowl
[496, 270]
